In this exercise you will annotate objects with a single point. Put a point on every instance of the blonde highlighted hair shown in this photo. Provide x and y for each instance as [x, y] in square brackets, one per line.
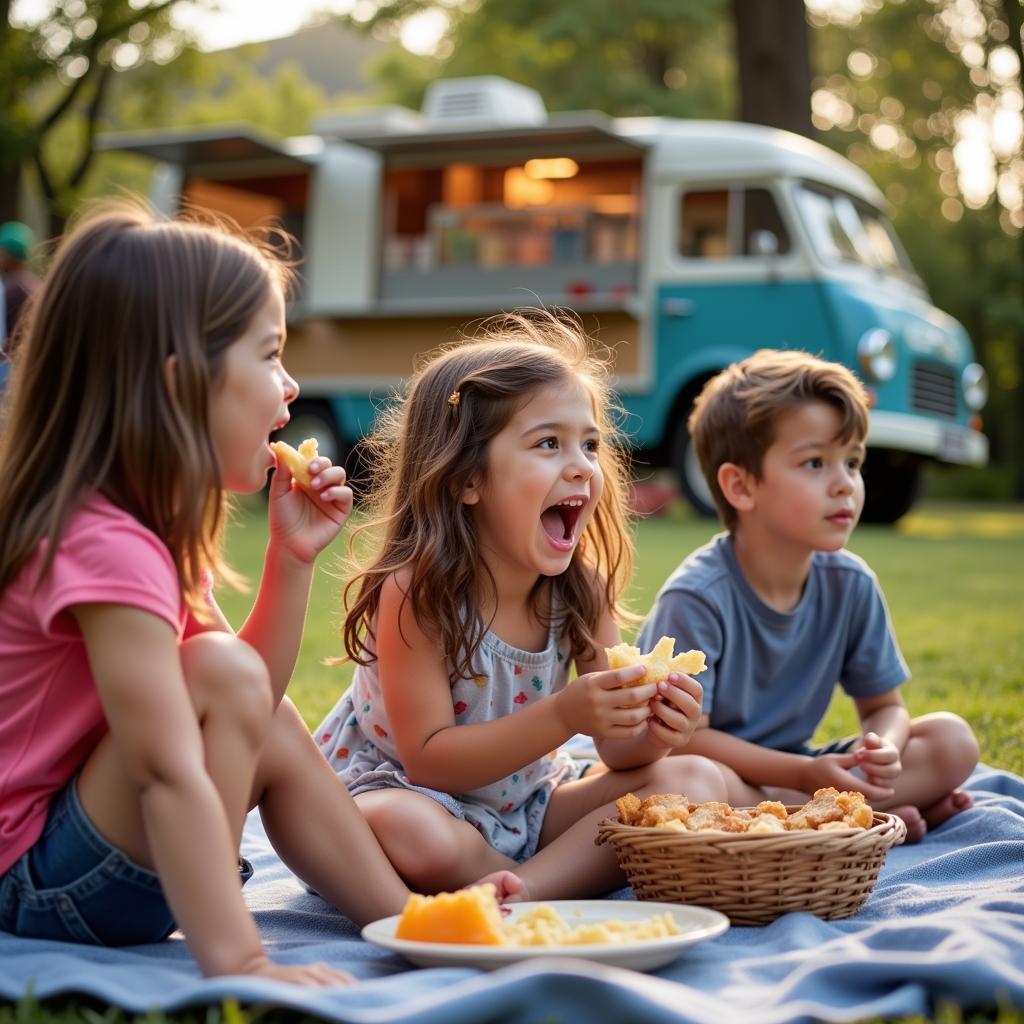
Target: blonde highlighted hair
[734, 416]
[432, 443]
[110, 388]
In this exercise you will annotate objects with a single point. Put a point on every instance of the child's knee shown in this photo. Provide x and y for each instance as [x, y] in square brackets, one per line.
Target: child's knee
[952, 746]
[420, 850]
[225, 675]
[699, 778]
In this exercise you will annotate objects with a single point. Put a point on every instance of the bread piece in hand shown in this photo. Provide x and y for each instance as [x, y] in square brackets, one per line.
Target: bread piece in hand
[659, 662]
[297, 460]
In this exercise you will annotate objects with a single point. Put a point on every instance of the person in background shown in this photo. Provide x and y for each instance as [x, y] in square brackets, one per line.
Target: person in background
[19, 282]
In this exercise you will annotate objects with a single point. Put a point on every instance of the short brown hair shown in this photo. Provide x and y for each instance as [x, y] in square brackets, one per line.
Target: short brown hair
[734, 417]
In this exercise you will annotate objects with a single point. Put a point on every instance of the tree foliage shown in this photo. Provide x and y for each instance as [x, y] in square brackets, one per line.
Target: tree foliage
[56, 78]
[642, 57]
[926, 96]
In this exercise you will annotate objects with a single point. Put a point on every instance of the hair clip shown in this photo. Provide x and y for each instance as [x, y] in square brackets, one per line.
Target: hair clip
[454, 398]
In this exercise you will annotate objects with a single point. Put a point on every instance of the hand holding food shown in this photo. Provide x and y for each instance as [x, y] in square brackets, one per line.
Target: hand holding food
[659, 662]
[297, 460]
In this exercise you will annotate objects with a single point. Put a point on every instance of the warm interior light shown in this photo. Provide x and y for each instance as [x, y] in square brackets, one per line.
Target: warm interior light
[552, 167]
[624, 203]
[521, 191]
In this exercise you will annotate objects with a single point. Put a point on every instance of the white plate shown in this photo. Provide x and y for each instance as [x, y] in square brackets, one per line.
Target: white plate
[695, 923]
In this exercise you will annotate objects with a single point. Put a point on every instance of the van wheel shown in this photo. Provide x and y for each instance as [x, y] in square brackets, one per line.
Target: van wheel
[691, 480]
[892, 483]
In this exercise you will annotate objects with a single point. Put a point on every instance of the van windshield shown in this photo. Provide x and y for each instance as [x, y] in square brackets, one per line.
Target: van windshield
[844, 229]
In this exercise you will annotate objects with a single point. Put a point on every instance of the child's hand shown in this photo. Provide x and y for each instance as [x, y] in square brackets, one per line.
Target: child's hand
[675, 710]
[303, 524]
[602, 704]
[879, 759]
[834, 770]
[309, 975]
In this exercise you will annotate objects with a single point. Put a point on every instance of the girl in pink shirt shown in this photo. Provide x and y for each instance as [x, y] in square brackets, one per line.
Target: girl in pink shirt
[136, 728]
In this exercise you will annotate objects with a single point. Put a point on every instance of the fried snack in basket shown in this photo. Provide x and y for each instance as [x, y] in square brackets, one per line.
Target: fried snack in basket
[659, 662]
[828, 807]
[297, 460]
[828, 810]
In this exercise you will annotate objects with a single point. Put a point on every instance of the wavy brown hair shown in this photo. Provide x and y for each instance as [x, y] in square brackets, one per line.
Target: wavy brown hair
[424, 453]
[89, 407]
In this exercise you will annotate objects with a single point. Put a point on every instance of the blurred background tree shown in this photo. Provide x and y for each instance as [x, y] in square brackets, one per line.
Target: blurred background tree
[56, 78]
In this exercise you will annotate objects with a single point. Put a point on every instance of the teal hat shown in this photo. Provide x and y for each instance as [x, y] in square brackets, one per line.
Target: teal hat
[16, 238]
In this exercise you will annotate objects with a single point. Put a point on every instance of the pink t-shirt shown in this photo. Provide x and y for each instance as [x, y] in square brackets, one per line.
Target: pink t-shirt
[50, 714]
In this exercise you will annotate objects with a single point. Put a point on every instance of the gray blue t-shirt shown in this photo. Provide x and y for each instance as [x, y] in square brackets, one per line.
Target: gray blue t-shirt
[771, 674]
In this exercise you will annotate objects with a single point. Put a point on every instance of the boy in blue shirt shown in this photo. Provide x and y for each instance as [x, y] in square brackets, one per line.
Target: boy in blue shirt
[783, 612]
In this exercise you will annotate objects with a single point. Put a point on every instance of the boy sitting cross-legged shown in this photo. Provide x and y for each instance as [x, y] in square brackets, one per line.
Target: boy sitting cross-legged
[783, 612]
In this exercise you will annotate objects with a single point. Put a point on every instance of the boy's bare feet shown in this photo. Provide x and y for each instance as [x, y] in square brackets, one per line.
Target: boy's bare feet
[952, 803]
[917, 827]
[918, 822]
[510, 887]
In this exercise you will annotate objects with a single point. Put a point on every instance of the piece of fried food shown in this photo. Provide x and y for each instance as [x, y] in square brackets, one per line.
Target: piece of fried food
[715, 815]
[652, 811]
[297, 460]
[829, 805]
[659, 662]
[662, 808]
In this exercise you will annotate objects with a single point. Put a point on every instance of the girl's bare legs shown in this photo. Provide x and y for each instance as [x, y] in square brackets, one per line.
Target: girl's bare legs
[230, 691]
[316, 828]
[431, 850]
[569, 865]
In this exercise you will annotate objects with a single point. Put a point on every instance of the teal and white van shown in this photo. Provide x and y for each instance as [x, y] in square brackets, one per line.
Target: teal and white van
[683, 245]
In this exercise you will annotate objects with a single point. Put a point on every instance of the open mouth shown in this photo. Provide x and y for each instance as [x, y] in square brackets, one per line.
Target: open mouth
[559, 522]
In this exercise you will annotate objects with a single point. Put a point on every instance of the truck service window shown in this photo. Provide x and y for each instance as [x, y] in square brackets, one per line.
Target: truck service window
[721, 224]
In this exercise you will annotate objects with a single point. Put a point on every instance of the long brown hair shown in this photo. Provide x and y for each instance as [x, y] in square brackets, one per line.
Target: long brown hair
[89, 407]
[424, 453]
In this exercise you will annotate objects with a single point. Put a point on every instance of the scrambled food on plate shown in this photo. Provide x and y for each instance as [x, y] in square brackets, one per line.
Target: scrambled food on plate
[827, 811]
[473, 916]
[658, 662]
[297, 460]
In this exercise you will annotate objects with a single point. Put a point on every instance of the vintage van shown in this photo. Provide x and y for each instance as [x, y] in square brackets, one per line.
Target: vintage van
[683, 244]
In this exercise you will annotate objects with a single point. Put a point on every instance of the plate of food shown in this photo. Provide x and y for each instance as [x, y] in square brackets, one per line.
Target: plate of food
[468, 929]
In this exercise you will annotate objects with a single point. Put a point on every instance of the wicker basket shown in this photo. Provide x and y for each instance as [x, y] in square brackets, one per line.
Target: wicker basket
[755, 878]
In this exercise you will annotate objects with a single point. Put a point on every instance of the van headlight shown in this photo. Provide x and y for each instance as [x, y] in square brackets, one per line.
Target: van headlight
[974, 381]
[877, 354]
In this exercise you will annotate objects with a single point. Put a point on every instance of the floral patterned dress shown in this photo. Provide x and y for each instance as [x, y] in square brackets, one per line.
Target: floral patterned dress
[355, 737]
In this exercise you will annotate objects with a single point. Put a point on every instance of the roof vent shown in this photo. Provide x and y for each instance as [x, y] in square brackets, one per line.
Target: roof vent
[486, 101]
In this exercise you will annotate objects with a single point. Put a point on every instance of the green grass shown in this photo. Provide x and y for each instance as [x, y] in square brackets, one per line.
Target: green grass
[950, 573]
[952, 577]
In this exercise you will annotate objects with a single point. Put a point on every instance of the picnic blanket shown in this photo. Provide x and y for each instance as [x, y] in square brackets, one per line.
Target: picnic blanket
[945, 922]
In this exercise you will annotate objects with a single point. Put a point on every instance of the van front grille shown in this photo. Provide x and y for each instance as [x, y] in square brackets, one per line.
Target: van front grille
[933, 389]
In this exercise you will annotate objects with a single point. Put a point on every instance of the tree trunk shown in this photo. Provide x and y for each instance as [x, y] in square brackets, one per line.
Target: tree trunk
[1012, 11]
[772, 50]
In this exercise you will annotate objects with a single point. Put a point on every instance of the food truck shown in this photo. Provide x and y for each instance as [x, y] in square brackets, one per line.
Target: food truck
[682, 245]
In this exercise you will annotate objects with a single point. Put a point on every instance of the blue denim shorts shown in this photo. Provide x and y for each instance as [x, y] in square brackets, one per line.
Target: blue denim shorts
[73, 886]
